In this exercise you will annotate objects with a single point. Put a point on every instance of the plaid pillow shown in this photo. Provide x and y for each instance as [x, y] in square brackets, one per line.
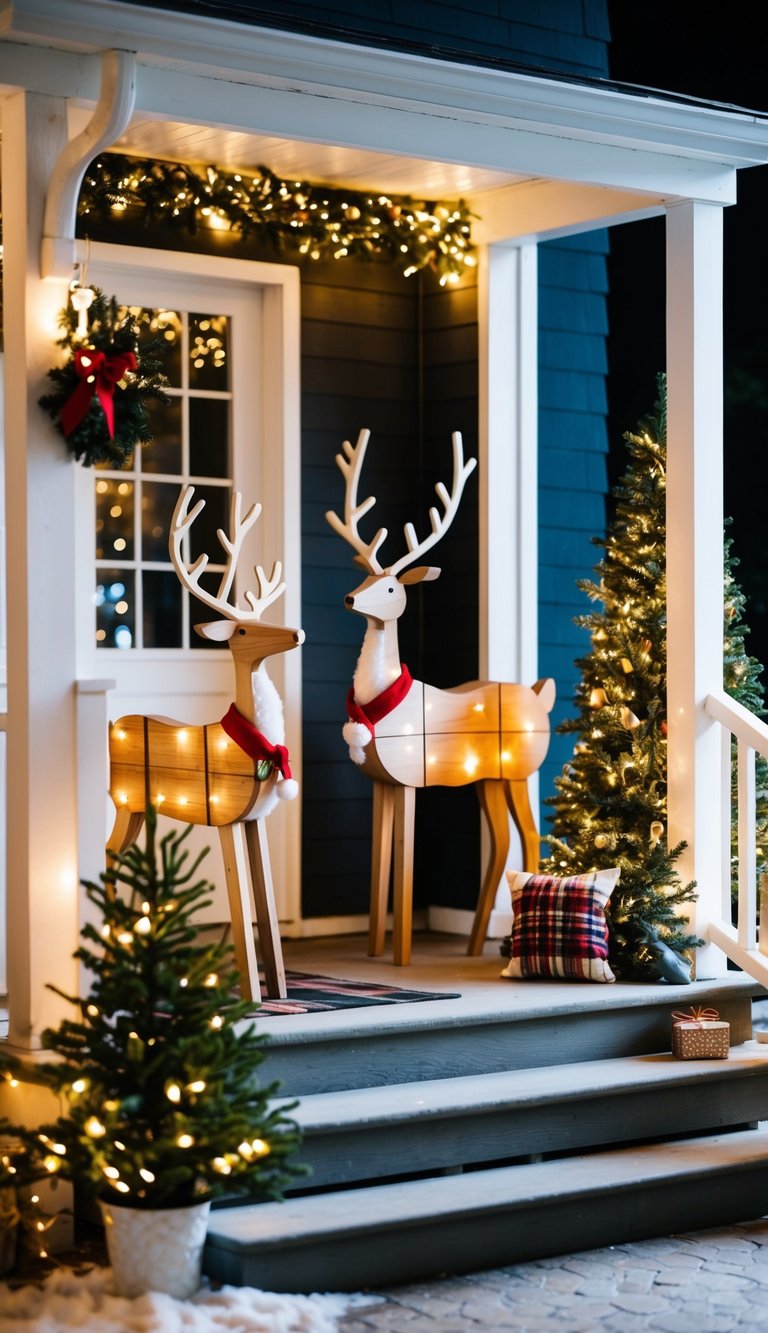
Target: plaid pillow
[559, 927]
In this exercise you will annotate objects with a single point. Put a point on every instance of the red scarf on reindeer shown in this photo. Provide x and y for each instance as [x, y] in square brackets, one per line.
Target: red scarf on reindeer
[372, 712]
[254, 742]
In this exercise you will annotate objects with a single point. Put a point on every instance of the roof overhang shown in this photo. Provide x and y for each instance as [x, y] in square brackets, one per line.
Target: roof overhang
[613, 154]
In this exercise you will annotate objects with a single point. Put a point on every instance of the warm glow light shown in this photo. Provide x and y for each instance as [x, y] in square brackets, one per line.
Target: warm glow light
[52, 1164]
[471, 764]
[222, 1165]
[260, 1147]
[143, 926]
[79, 1085]
[479, 708]
[182, 735]
[199, 1085]
[121, 1186]
[184, 1141]
[146, 1175]
[111, 1172]
[173, 1092]
[217, 1021]
[211, 980]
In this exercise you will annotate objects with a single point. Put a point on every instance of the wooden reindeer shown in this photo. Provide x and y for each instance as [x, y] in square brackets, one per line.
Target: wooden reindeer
[406, 734]
[229, 774]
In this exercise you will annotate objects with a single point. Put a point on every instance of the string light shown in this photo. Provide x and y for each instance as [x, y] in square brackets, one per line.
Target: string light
[318, 220]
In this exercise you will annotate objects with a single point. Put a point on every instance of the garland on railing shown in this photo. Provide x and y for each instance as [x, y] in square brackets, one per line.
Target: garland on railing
[317, 220]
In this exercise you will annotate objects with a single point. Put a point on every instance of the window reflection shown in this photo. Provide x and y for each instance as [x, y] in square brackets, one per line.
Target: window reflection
[115, 608]
[158, 500]
[114, 519]
[209, 352]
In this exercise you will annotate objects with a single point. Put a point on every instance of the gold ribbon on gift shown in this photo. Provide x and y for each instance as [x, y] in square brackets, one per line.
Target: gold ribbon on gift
[696, 1014]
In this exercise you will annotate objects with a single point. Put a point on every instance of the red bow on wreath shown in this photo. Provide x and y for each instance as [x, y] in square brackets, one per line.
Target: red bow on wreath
[98, 374]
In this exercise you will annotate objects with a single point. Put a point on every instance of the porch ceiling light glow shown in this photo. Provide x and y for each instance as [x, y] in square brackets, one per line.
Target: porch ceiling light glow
[316, 220]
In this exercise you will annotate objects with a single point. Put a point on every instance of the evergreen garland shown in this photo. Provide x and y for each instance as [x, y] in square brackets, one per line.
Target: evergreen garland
[114, 332]
[320, 221]
[611, 802]
[158, 1068]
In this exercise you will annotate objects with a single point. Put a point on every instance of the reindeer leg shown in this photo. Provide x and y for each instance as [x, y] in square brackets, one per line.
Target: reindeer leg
[381, 864]
[266, 909]
[494, 806]
[236, 871]
[125, 830]
[402, 895]
[519, 804]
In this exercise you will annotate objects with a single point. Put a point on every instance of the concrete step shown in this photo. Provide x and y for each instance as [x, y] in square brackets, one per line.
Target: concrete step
[375, 1133]
[528, 1025]
[394, 1233]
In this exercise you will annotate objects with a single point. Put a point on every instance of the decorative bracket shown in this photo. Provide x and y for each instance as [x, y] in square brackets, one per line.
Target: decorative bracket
[112, 115]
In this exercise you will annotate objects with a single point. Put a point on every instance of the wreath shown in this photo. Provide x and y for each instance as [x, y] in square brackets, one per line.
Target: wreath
[100, 395]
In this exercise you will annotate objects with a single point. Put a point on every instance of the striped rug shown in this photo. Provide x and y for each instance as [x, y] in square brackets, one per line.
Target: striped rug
[312, 994]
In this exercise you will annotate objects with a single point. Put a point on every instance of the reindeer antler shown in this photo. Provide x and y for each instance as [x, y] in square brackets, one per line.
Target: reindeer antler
[269, 588]
[440, 522]
[350, 465]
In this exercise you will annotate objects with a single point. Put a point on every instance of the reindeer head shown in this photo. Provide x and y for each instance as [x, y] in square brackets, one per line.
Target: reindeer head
[242, 628]
[381, 596]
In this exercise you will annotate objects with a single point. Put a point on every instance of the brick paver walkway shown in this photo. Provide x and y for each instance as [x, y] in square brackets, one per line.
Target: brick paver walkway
[700, 1282]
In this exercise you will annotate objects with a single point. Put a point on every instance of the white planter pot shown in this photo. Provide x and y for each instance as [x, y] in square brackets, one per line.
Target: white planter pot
[156, 1249]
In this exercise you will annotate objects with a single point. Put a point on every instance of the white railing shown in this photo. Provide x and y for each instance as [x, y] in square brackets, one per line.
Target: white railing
[740, 942]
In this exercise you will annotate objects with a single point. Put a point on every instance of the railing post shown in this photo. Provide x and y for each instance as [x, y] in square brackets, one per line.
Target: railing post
[747, 861]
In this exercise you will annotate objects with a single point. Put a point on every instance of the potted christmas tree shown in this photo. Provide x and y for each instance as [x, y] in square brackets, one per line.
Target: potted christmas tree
[158, 1070]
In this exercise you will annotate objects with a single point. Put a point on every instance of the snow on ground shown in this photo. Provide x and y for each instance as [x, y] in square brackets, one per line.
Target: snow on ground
[67, 1300]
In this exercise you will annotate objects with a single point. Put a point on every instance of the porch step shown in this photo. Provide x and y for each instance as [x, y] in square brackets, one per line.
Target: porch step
[375, 1133]
[394, 1233]
[527, 1026]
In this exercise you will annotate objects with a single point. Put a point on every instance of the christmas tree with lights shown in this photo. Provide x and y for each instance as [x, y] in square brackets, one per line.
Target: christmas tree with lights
[159, 1066]
[611, 802]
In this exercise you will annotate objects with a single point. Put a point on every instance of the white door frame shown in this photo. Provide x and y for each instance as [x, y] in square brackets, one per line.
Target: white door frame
[270, 474]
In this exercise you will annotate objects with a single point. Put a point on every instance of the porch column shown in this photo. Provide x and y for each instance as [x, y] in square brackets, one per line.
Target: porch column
[508, 484]
[40, 491]
[695, 554]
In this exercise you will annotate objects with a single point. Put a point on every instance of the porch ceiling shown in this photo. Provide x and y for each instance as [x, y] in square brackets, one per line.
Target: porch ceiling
[302, 160]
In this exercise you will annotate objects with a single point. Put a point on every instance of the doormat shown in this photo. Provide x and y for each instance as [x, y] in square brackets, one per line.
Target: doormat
[309, 993]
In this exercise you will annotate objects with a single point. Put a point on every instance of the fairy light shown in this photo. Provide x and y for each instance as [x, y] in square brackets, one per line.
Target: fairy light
[318, 220]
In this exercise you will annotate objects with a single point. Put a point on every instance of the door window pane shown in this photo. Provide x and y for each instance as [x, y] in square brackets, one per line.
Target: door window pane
[209, 437]
[114, 520]
[215, 515]
[158, 500]
[115, 608]
[162, 609]
[163, 453]
[209, 352]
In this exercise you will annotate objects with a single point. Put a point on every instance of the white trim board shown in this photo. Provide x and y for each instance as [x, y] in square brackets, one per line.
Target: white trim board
[261, 81]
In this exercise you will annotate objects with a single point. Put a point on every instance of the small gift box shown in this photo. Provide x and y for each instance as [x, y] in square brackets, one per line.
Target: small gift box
[700, 1035]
